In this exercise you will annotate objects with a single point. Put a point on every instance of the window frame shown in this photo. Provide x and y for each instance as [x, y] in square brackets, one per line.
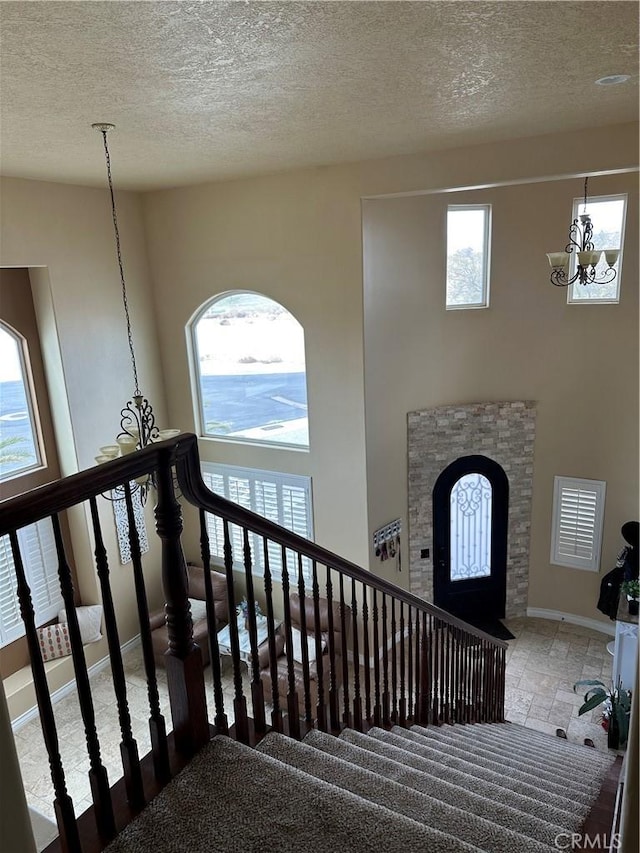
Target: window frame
[487, 208]
[577, 204]
[22, 347]
[193, 351]
[280, 480]
[574, 561]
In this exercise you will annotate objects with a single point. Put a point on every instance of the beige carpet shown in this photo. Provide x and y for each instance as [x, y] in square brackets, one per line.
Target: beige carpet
[495, 788]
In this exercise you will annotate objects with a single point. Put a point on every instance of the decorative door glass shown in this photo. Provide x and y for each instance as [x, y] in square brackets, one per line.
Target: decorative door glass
[470, 528]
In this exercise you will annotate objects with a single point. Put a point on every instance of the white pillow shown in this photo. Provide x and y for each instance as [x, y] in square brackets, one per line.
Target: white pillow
[296, 643]
[198, 609]
[89, 619]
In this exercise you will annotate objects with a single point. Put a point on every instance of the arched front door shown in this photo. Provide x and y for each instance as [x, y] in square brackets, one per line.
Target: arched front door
[470, 515]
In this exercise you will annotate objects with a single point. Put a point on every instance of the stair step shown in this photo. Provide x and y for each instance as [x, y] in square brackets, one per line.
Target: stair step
[530, 737]
[534, 818]
[510, 758]
[372, 786]
[415, 745]
[234, 799]
[583, 760]
[482, 766]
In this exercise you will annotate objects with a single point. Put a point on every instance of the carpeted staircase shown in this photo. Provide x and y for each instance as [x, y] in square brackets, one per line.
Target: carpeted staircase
[498, 788]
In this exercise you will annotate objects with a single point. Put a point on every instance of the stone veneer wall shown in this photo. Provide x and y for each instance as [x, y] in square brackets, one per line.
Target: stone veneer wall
[504, 432]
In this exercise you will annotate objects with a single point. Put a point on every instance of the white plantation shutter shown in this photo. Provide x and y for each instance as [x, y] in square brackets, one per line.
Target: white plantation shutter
[10, 619]
[38, 550]
[578, 515]
[282, 498]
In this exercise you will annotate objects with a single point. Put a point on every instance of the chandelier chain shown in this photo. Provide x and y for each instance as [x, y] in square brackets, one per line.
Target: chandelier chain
[120, 267]
[586, 181]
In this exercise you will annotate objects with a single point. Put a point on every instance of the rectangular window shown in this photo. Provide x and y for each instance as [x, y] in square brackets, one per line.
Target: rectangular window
[282, 498]
[468, 251]
[608, 215]
[38, 551]
[578, 515]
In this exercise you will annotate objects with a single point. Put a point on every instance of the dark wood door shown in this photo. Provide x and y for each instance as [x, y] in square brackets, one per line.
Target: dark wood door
[470, 516]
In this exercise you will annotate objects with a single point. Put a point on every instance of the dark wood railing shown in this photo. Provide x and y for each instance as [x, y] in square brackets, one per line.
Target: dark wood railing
[382, 655]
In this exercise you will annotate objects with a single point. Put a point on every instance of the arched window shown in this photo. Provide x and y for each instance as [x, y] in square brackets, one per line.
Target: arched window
[249, 365]
[20, 453]
[19, 432]
[470, 528]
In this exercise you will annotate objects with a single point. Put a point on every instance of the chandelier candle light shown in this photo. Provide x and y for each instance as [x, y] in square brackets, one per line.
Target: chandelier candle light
[580, 242]
[137, 422]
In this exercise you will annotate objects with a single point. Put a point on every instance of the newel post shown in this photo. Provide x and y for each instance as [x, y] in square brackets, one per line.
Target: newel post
[183, 659]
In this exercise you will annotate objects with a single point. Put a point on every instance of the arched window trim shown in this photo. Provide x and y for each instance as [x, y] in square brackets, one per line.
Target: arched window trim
[31, 401]
[195, 375]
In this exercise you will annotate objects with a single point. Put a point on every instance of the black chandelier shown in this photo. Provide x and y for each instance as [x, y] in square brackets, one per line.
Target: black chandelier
[581, 243]
[138, 426]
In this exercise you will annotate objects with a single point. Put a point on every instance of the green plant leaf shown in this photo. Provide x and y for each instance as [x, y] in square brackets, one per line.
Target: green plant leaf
[597, 699]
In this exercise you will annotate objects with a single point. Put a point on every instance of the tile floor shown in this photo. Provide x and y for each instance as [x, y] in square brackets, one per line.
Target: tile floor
[543, 662]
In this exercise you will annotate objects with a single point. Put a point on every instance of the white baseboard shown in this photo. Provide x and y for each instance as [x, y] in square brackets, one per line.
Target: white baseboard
[572, 619]
[70, 686]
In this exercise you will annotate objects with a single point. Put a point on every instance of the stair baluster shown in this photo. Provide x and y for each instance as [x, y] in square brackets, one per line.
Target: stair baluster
[357, 702]
[456, 680]
[346, 716]
[402, 713]
[410, 693]
[321, 709]
[377, 706]
[366, 654]
[276, 713]
[257, 694]
[62, 804]
[446, 665]
[128, 744]
[239, 701]
[424, 653]
[334, 713]
[306, 681]
[386, 708]
[292, 696]
[98, 779]
[394, 664]
[220, 720]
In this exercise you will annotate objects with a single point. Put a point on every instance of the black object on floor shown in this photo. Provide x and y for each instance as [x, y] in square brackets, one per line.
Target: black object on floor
[493, 627]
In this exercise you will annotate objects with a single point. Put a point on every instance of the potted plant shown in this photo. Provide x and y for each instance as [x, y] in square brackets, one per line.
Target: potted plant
[632, 590]
[617, 708]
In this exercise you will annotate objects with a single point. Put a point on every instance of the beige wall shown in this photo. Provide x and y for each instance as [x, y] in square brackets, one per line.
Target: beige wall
[579, 363]
[64, 234]
[297, 238]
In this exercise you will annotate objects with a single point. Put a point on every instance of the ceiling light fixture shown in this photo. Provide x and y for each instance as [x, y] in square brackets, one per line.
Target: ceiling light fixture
[581, 243]
[138, 426]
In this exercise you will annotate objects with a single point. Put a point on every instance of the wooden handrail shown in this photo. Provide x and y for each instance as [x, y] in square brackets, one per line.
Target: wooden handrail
[57, 496]
[196, 492]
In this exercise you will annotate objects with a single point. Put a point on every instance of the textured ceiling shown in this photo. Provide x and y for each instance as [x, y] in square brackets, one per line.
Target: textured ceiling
[207, 90]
